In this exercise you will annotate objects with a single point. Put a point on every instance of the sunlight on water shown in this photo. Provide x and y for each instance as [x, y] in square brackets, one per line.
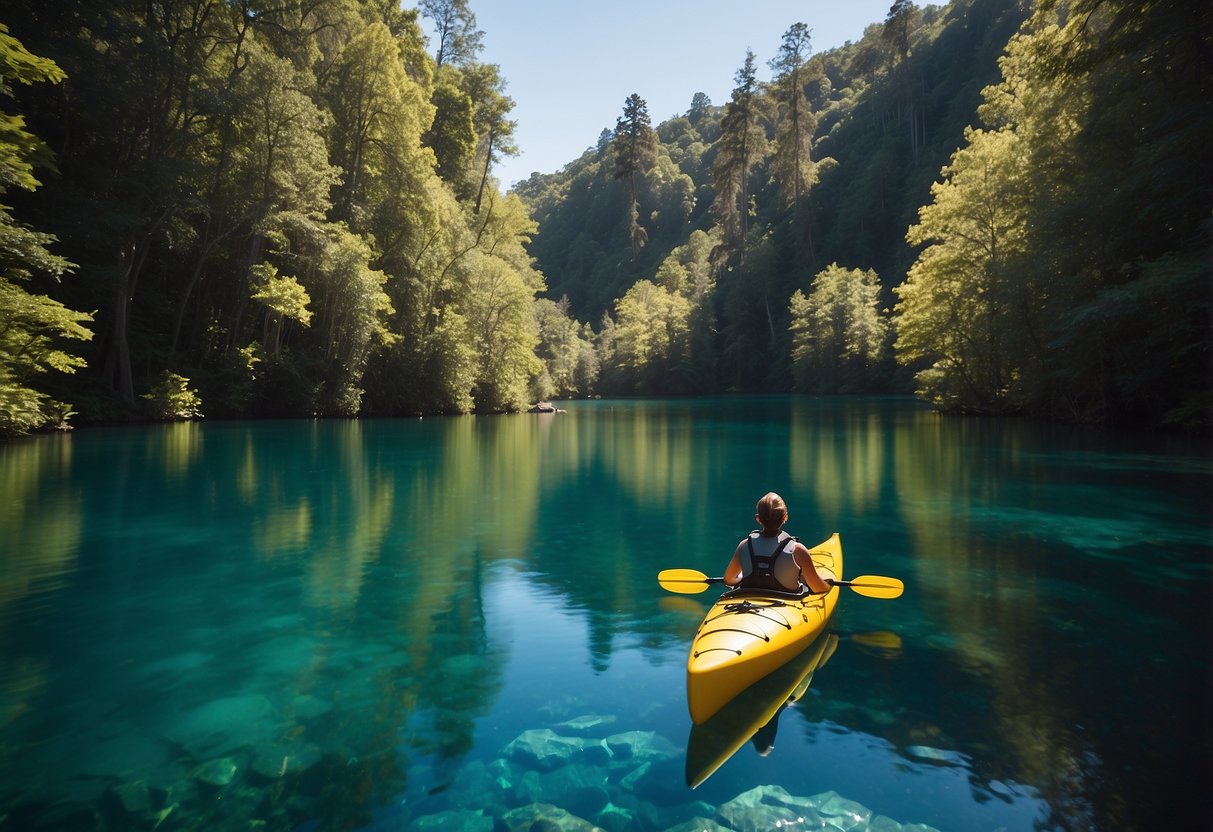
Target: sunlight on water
[454, 623]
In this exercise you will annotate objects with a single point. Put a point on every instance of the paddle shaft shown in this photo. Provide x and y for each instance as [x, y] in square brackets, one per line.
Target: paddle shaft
[691, 581]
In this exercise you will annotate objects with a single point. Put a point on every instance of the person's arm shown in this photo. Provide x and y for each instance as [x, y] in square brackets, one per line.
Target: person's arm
[732, 575]
[808, 572]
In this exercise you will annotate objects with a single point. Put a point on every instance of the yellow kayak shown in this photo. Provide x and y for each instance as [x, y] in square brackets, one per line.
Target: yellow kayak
[748, 633]
[713, 742]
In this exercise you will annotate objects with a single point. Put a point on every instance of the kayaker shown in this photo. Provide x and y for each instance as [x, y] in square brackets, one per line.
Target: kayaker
[770, 558]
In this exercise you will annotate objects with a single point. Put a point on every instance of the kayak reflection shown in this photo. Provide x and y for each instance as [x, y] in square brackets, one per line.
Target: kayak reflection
[754, 713]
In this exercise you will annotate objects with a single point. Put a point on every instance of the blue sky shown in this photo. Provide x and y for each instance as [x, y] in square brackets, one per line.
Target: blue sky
[570, 64]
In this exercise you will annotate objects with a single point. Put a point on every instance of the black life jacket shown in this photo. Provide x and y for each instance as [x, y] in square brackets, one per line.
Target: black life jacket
[762, 567]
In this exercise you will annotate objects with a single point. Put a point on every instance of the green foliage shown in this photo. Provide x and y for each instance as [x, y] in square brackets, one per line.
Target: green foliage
[1065, 268]
[1059, 266]
[649, 339]
[839, 337]
[570, 363]
[32, 326]
[171, 399]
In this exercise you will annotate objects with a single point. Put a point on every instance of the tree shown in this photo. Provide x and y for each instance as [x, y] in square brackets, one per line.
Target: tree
[459, 40]
[491, 106]
[284, 299]
[635, 150]
[31, 325]
[839, 337]
[452, 134]
[962, 307]
[741, 145]
[649, 339]
[792, 164]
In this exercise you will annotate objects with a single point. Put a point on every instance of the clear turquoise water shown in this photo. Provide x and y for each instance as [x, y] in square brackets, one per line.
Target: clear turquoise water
[444, 623]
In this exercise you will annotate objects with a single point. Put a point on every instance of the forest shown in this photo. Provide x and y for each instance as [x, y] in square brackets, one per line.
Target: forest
[238, 208]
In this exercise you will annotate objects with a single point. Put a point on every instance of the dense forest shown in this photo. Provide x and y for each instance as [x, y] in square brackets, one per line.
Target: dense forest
[238, 208]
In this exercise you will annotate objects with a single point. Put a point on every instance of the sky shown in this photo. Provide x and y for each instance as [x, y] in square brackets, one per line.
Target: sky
[569, 64]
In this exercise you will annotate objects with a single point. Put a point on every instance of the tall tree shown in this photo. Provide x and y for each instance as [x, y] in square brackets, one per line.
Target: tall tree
[635, 150]
[792, 164]
[459, 41]
[741, 145]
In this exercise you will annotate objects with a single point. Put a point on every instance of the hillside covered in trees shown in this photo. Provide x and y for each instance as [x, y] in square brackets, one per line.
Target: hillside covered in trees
[1005, 220]
[243, 208]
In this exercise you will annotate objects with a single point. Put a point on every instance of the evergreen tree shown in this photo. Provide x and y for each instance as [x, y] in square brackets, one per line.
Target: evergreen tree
[741, 146]
[635, 150]
[792, 163]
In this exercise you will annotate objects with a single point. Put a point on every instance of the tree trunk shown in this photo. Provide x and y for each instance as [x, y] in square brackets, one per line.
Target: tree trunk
[117, 367]
[484, 178]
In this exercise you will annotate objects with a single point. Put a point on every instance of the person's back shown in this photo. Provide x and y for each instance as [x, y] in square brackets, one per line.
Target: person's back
[771, 558]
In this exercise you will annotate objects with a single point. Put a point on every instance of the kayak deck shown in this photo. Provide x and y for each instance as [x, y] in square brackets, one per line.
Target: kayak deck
[747, 634]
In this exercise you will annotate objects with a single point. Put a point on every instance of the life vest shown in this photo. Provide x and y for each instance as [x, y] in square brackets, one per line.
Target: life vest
[760, 571]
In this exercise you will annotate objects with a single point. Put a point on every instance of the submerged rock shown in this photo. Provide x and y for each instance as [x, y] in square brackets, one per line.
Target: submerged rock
[545, 816]
[699, 824]
[544, 749]
[579, 788]
[219, 773]
[641, 746]
[769, 807]
[937, 755]
[845, 814]
[452, 820]
[271, 761]
[587, 723]
[225, 725]
[614, 818]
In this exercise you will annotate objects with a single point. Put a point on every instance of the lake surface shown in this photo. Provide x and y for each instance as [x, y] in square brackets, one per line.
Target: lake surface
[454, 623]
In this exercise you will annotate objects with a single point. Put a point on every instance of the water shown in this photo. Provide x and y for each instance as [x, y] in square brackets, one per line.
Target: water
[442, 623]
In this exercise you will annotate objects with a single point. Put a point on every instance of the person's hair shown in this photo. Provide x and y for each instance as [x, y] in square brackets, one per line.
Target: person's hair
[772, 512]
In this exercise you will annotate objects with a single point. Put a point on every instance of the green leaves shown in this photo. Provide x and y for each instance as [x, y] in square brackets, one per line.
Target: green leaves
[839, 337]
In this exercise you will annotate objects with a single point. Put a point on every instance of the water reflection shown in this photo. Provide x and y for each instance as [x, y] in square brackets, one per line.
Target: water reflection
[316, 592]
[754, 714]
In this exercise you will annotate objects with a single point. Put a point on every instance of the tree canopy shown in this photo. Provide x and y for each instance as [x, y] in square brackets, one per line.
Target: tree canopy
[291, 210]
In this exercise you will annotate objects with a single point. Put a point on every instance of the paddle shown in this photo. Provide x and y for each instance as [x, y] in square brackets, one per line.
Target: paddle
[692, 581]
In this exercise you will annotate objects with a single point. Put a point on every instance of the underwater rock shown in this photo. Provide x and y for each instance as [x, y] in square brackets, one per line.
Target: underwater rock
[587, 723]
[699, 824]
[270, 761]
[481, 787]
[614, 818]
[673, 814]
[219, 772]
[306, 706]
[641, 746]
[630, 780]
[224, 725]
[580, 788]
[544, 749]
[129, 798]
[768, 807]
[463, 820]
[937, 755]
[845, 814]
[543, 815]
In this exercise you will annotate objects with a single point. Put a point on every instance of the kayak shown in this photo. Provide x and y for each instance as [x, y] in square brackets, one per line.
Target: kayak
[754, 710]
[749, 633]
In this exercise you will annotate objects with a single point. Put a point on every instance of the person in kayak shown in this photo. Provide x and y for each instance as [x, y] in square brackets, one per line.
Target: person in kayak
[770, 558]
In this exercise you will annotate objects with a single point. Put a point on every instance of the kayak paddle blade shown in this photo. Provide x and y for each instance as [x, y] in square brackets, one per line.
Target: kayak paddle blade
[875, 586]
[685, 581]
